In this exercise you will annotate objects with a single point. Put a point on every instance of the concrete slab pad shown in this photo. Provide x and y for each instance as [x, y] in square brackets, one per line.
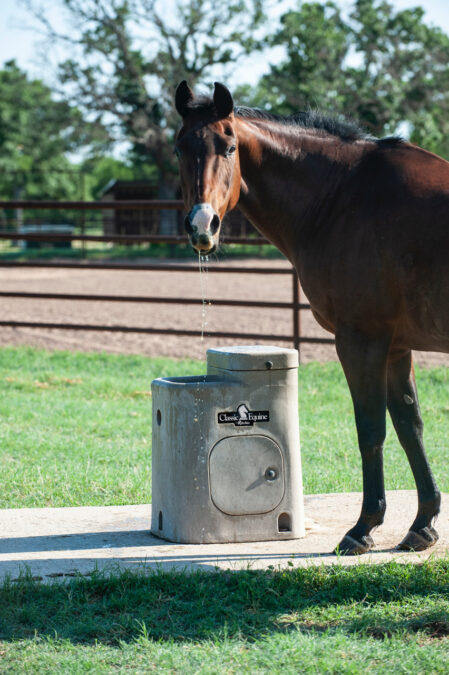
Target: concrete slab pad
[57, 543]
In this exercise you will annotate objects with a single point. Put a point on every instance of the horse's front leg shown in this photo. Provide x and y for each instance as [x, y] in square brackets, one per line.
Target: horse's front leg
[364, 361]
[402, 401]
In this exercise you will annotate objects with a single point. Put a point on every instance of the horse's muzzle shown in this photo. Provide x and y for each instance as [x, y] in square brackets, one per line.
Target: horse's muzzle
[202, 235]
[203, 243]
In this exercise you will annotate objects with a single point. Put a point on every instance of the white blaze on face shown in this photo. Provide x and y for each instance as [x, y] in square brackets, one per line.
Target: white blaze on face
[201, 217]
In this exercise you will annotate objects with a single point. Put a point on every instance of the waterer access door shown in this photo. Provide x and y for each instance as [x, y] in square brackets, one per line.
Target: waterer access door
[246, 475]
[226, 457]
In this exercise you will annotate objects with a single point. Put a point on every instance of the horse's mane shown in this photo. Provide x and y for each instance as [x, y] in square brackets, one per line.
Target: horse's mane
[337, 125]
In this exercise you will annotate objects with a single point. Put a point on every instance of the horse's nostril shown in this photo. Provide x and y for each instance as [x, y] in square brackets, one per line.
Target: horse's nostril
[188, 225]
[215, 224]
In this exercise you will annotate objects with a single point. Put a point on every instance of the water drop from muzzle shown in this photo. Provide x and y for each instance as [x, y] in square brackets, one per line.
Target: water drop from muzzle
[203, 263]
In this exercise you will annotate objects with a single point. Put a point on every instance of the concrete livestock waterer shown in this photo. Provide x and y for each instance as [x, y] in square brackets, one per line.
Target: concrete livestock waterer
[226, 463]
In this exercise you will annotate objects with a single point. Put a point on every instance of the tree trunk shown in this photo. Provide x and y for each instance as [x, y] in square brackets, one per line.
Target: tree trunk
[18, 192]
[168, 223]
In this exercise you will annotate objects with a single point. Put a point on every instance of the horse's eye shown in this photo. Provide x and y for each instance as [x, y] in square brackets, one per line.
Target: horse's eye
[230, 150]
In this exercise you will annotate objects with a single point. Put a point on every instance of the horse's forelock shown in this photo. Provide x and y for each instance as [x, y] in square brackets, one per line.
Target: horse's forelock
[203, 106]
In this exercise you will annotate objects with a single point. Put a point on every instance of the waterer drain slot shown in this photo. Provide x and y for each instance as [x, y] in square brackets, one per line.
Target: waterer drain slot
[284, 522]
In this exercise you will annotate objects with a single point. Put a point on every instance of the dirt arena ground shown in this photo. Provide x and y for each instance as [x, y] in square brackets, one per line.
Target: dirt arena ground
[164, 284]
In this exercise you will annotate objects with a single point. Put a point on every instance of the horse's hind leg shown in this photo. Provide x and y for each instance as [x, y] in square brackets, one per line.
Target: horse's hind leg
[364, 361]
[402, 401]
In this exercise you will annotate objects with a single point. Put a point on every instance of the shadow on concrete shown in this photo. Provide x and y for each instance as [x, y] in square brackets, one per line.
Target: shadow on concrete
[78, 542]
[132, 539]
[168, 555]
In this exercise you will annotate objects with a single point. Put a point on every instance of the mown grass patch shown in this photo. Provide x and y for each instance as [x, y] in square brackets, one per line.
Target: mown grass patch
[317, 619]
[75, 428]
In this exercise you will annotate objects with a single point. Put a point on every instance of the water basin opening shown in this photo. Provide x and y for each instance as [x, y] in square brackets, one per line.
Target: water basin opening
[160, 523]
[192, 379]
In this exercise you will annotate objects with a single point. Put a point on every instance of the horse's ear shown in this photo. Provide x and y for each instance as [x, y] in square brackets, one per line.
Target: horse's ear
[183, 97]
[223, 102]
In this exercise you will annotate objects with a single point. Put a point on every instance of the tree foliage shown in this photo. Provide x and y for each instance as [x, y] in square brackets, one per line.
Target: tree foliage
[129, 55]
[36, 132]
[381, 67]
[99, 171]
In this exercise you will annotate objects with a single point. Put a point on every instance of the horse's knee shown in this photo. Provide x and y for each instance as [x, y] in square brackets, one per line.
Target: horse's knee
[408, 427]
[371, 447]
[371, 435]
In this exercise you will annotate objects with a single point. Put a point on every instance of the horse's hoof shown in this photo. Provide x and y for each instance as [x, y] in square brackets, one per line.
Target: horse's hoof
[351, 546]
[419, 541]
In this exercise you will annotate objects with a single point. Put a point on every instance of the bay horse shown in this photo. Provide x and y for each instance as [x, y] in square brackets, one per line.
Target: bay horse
[365, 222]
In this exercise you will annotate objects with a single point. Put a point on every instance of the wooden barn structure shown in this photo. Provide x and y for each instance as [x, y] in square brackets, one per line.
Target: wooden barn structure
[130, 221]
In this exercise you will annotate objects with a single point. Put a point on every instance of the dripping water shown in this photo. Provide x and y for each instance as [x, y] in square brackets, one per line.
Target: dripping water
[198, 413]
[198, 418]
[203, 264]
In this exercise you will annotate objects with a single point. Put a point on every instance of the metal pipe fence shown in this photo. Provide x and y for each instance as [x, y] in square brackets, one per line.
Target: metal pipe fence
[295, 306]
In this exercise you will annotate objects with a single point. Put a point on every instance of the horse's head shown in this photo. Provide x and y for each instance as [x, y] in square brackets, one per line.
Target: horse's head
[207, 149]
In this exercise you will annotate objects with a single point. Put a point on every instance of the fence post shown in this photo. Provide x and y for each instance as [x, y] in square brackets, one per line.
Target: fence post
[296, 313]
[83, 214]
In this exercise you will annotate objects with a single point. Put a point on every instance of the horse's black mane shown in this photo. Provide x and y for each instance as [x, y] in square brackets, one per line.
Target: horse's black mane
[337, 125]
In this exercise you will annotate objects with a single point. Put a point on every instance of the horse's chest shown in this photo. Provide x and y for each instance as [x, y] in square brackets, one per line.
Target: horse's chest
[315, 284]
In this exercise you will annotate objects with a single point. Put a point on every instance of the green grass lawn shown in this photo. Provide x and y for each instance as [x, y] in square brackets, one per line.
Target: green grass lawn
[374, 619]
[75, 429]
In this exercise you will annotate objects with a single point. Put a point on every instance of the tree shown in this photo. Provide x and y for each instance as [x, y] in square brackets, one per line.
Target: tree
[99, 171]
[129, 55]
[36, 132]
[381, 67]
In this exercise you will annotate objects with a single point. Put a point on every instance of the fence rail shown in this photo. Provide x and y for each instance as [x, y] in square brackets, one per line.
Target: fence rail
[99, 205]
[295, 306]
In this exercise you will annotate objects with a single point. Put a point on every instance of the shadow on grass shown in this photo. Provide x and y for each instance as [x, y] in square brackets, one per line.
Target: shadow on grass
[110, 608]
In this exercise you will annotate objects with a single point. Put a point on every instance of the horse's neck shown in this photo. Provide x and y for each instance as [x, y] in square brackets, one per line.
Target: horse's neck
[288, 174]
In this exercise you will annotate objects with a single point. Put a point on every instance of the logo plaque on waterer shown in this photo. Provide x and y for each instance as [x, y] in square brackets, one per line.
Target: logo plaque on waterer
[243, 416]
